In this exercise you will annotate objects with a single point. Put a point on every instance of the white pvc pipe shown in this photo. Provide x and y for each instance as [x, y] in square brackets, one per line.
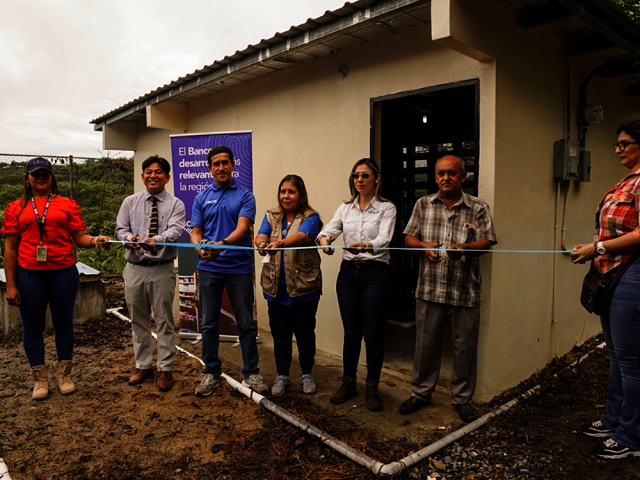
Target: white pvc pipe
[4, 471]
[396, 467]
[378, 468]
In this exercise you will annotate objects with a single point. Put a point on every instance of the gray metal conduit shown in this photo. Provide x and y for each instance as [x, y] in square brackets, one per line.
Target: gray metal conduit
[378, 468]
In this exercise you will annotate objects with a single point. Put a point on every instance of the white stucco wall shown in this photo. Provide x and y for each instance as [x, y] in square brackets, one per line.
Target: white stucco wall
[307, 120]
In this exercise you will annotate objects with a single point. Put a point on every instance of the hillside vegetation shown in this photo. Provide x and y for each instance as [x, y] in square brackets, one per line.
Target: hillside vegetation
[100, 186]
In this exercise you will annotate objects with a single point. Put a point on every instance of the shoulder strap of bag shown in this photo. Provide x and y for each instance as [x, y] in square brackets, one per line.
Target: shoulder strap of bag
[624, 268]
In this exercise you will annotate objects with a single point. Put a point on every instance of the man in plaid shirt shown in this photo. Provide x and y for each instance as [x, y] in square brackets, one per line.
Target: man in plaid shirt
[448, 286]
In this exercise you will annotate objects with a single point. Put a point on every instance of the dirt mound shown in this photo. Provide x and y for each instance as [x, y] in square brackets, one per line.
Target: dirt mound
[108, 430]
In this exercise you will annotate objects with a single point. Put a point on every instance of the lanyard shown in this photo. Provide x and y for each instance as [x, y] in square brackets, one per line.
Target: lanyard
[41, 221]
[286, 226]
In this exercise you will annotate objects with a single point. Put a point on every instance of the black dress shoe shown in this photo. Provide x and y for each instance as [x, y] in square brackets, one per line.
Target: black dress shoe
[413, 404]
[467, 412]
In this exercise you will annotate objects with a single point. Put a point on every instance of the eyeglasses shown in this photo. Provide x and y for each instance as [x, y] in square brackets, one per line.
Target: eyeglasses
[364, 176]
[623, 145]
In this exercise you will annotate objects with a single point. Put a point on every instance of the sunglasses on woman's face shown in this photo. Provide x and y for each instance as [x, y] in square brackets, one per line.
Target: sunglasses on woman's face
[41, 174]
[364, 176]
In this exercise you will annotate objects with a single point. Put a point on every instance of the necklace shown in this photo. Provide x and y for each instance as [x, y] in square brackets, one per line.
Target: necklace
[286, 229]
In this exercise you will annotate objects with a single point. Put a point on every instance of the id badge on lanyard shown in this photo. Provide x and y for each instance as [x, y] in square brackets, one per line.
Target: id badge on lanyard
[41, 250]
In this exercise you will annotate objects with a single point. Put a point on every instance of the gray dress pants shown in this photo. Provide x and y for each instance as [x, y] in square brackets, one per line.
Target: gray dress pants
[431, 318]
[149, 292]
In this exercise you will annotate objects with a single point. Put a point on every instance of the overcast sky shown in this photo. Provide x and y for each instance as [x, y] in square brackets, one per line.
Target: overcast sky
[65, 62]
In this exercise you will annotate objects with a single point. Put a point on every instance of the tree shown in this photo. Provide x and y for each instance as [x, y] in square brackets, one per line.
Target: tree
[631, 8]
[100, 187]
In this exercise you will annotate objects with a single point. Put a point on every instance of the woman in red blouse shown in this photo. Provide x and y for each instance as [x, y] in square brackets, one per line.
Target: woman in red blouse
[617, 238]
[40, 269]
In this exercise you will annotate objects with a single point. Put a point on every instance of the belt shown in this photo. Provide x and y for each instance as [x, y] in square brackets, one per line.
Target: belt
[150, 263]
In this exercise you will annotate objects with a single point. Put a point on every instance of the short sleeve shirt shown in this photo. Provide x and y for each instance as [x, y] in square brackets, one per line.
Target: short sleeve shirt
[63, 217]
[451, 282]
[617, 215]
[216, 210]
[311, 227]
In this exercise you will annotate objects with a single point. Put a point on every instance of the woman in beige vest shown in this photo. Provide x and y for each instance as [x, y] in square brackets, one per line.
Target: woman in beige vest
[291, 280]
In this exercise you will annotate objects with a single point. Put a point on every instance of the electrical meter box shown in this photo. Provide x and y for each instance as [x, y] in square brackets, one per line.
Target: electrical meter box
[584, 175]
[566, 160]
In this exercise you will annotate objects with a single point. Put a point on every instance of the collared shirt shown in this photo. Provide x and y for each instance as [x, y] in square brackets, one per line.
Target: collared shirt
[451, 282]
[375, 224]
[64, 216]
[310, 226]
[618, 214]
[217, 210]
[133, 219]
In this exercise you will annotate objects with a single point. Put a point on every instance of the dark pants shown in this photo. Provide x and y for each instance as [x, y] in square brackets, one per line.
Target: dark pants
[39, 288]
[431, 318]
[240, 290]
[363, 290]
[288, 320]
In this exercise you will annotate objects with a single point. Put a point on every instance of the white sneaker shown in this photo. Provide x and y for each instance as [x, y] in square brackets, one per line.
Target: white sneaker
[255, 383]
[281, 385]
[308, 383]
[208, 384]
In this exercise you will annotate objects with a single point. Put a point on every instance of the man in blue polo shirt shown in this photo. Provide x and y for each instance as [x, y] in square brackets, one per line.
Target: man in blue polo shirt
[222, 214]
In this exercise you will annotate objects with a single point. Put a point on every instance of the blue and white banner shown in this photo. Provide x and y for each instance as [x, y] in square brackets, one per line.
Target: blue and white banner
[190, 176]
[190, 172]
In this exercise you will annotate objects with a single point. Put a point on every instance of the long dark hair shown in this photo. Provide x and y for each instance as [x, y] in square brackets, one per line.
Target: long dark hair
[303, 199]
[373, 165]
[26, 189]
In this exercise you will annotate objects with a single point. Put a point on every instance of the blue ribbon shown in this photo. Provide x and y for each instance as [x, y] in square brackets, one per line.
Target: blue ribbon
[315, 247]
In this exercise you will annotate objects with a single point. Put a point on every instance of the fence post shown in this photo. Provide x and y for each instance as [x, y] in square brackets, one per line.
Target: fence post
[71, 176]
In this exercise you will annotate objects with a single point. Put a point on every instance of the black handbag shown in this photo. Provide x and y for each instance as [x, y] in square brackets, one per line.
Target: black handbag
[597, 288]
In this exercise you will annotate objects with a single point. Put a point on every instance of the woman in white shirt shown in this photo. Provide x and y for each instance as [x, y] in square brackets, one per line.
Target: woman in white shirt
[367, 222]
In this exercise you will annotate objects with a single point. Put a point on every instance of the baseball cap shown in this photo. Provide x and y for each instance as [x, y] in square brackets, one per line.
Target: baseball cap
[38, 164]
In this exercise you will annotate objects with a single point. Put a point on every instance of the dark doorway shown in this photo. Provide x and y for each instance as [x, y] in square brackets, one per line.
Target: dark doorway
[410, 132]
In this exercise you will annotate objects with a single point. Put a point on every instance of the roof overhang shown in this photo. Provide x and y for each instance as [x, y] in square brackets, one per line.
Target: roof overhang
[354, 23]
[595, 29]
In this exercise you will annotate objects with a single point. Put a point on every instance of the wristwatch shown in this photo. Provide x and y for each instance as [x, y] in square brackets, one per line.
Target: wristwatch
[600, 248]
[225, 242]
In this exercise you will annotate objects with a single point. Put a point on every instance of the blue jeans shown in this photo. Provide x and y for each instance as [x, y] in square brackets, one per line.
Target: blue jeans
[621, 330]
[240, 290]
[39, 288]
[363, 291]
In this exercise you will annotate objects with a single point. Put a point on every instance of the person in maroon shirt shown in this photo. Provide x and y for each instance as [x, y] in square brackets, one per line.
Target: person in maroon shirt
[40, 229]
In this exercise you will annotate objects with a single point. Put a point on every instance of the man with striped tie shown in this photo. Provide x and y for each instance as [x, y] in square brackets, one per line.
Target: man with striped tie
[155, 216]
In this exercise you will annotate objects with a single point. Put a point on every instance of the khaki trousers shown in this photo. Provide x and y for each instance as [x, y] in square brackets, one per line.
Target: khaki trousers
[149, 292]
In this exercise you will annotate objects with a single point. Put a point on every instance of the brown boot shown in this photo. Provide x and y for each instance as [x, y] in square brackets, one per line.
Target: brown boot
[372, 397]
[140, 376]
[64, 377]
[346, 391]
[165, 381]
[41, 380]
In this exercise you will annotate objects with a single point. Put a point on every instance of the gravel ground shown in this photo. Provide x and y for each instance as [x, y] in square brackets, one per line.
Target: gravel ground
[108, 430]
[539, 437]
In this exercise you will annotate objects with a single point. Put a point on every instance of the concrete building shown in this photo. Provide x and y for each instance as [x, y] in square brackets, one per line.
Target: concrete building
[496, 82]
